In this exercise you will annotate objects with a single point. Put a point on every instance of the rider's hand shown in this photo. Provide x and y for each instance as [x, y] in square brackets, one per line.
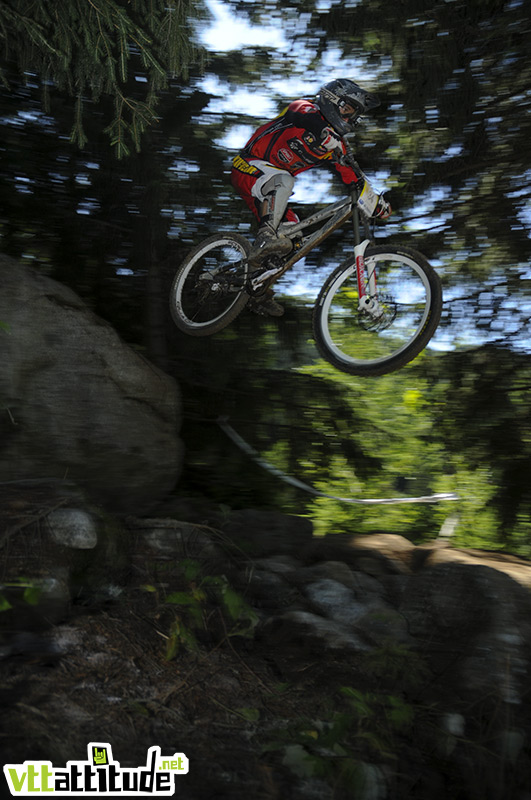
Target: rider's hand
[383, 210]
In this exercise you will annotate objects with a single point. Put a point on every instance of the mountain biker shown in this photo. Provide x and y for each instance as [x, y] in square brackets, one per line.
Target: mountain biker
[306, 134]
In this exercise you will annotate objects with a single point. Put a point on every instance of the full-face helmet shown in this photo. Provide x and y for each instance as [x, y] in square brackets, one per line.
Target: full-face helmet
[342, 102]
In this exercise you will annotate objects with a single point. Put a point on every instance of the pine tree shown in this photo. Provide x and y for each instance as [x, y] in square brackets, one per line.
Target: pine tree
[90, 48]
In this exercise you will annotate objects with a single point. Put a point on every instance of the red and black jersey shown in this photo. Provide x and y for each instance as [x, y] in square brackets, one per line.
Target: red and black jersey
[292, 141]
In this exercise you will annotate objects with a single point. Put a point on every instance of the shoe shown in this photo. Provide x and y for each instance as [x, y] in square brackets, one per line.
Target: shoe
[271, 308]
[266, 244]
[267, 306]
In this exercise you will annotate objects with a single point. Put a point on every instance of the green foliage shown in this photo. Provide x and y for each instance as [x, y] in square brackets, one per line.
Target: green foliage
[181, 636]
[343, 749]
[370, 741]
[450, 422]
[28, 590]
[392, 419]
[248, 714]
[5, 605]
[484, 422]
[195, 602]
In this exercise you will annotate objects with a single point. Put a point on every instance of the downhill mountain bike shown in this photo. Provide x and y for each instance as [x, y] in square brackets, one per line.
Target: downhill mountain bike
[375, 313]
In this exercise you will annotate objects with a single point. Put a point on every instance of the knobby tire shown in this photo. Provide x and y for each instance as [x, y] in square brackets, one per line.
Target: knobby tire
[412, 298]
[208, 290]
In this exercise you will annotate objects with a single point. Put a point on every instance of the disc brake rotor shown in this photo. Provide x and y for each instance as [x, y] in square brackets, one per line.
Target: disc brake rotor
[386, 316]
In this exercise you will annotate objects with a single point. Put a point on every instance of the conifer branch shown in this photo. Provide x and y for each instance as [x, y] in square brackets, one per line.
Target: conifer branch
[88, 47]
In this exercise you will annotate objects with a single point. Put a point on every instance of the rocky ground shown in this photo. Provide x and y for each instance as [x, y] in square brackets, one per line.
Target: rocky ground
[281, 665]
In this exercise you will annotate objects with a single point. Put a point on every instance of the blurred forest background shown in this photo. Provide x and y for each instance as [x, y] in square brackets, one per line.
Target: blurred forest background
[119, 120]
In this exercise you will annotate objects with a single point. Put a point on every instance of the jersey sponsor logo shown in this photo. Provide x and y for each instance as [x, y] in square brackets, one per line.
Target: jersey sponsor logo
[242, 165]
[285, 155]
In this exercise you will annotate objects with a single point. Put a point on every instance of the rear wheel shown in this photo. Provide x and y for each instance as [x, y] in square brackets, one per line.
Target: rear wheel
[384, 338]
[208, 291]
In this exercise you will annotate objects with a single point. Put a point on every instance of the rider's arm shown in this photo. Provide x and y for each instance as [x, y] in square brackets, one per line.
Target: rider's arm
[347, 169]
[347, 173]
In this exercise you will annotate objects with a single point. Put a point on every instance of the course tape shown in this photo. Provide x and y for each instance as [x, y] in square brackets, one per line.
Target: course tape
[242, 444]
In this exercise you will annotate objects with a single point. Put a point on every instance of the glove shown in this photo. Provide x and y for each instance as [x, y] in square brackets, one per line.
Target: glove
[383, 209]
[330, 140]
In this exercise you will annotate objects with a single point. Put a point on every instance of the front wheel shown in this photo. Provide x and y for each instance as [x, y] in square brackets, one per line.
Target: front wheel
[208, 291]
[382, 338]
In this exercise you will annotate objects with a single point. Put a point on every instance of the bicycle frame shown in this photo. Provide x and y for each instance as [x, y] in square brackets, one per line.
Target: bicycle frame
[334, 217]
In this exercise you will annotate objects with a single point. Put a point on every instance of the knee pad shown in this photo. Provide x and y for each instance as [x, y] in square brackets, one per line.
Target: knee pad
[277, 191]
[281, 181]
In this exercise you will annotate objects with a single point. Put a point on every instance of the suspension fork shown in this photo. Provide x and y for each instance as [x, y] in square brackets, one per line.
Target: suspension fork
[366, 283]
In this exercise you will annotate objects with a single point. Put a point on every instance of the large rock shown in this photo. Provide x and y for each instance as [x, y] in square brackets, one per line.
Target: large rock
[76, 401]
[376, 554]
[473, 623]
[266, 533]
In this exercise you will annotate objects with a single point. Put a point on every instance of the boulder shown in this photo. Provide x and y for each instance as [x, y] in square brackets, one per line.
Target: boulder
[302, 630]
[472, 622]
[77, 401]
[267, 533]
[173, 540]
[335, 601]
[73, 527]
[55, 549]
[378, 554]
